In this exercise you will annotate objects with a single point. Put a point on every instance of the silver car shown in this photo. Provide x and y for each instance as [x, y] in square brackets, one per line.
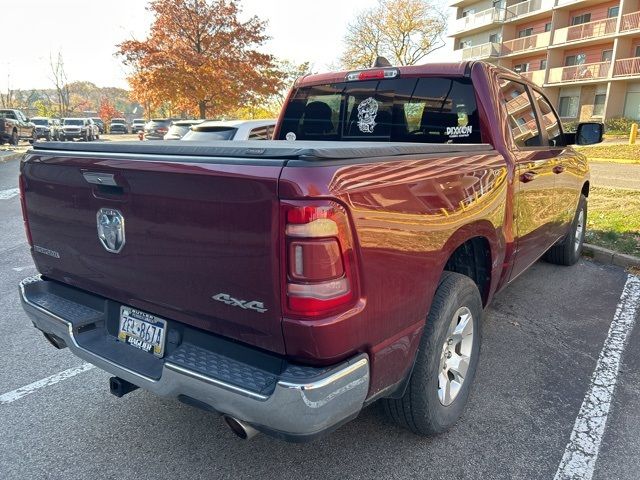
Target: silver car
[178, 129]
[231, 130]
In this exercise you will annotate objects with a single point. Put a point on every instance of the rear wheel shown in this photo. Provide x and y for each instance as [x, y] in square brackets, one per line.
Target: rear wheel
[446, 361]
[569, 250]
[14, 138]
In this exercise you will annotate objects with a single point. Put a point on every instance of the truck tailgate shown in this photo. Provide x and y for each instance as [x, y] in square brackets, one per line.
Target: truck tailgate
[201, 238]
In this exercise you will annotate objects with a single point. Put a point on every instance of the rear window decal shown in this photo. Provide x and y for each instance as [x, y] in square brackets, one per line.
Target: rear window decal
[367, 111]
[290, 136]
[458, 132]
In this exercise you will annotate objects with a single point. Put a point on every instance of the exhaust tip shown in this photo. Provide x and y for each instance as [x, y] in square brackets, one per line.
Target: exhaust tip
[241, 429]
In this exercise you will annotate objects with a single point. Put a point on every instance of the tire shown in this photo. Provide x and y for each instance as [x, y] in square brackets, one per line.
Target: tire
[85, 137]
[421, 409]
[569, 250]
[14, 138]
[47, 137]
[61, 138]
[34, 138]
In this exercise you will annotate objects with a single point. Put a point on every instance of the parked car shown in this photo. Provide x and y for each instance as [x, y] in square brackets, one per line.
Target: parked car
[99, 123]
[157, 128]
[79, 129]
[118, 125]
[231, 130]
[14, 126]
[179, 128]
[138, 125]
[43, 128]
[347, 262]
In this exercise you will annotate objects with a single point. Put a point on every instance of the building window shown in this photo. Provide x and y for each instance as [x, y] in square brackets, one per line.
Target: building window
[572, 60]
[494, 38]
[521, 67]
[598, 104]
[525, 32]
[607, 55]
[568, 107]
[547, 27]
[543, 64]
[638, 51]
[613, 12]
[465, 43]
[580, 19]
[632, 105]
[466, 13]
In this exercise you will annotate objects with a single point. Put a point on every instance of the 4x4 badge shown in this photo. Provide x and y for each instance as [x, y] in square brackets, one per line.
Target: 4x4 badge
[245, 304]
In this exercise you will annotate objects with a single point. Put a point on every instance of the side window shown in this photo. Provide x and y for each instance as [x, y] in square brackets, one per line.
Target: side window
[520, 114]
[259, 133]
[549, 121]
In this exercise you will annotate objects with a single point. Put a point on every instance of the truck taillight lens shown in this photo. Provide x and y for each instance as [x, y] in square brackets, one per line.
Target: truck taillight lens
[320, 276]
[23, 205]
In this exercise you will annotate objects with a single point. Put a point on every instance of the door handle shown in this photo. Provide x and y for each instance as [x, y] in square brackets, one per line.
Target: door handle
[527, 177]
[558, 169]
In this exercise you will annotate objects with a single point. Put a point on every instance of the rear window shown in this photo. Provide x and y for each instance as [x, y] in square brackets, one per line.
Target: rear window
[426, 110]
[206, 134]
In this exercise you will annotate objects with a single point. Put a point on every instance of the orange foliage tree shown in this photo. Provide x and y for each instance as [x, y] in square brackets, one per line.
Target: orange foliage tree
[201, 58]
[107, 111]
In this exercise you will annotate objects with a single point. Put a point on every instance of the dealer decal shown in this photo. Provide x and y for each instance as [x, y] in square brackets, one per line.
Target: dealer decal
[458, 132]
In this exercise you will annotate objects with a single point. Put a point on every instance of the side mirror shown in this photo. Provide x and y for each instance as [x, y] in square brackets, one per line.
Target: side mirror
[589, 133]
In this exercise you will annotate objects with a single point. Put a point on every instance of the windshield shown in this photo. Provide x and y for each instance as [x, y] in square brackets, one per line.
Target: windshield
[208, 134]
[40, 121]
[72, 121]
[426, 110]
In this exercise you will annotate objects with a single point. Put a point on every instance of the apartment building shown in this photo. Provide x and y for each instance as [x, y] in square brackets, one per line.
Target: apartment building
[586, 53]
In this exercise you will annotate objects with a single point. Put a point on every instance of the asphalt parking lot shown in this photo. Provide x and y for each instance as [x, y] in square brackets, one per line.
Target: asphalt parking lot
[542, 342]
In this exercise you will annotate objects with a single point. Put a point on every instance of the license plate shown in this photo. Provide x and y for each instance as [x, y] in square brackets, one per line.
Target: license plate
[142, 330]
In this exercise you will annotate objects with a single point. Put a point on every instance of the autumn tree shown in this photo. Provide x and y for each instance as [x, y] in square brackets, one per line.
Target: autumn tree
[200, 57]
[107, 111]
[403, 31]
[59, 79]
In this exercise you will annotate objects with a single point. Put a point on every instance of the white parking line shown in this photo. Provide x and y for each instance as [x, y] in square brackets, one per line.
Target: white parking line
[17, 394]
[7, 194]
[581, 454]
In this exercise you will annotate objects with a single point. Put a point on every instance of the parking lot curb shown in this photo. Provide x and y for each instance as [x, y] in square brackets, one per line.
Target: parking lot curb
[11, 156]
[604, 255]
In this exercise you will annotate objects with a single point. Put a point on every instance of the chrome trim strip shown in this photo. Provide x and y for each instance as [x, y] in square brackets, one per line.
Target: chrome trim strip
[213, 381]
[328, 380]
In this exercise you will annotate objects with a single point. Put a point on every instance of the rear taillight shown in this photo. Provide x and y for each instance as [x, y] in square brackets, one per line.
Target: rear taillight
[320, 277]
[23, 204]
[162, 130]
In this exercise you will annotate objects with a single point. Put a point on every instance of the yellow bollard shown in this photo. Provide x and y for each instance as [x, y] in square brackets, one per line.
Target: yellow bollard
[633, 134]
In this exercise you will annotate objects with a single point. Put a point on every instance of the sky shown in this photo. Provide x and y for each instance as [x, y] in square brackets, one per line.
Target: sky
[87, 31]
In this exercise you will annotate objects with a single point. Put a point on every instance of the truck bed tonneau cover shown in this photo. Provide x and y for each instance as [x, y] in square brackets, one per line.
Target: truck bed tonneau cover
[274, 149]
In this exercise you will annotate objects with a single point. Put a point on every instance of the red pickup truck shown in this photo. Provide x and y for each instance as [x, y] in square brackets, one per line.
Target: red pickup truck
[287, 284]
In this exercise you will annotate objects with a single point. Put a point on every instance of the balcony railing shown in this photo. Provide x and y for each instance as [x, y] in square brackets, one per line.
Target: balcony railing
[523, 8]
[627, 67]
[478, 52]
[479, 19]
[630, 21]
[585, 31]
[536, 76]
[579, 73]
[522, 44]
[518, 103]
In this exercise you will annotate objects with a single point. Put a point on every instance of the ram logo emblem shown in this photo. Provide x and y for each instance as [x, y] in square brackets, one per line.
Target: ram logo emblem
[111, 229]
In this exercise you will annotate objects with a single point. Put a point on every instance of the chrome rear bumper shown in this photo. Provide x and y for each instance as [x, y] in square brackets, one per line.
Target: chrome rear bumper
[297, 403]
